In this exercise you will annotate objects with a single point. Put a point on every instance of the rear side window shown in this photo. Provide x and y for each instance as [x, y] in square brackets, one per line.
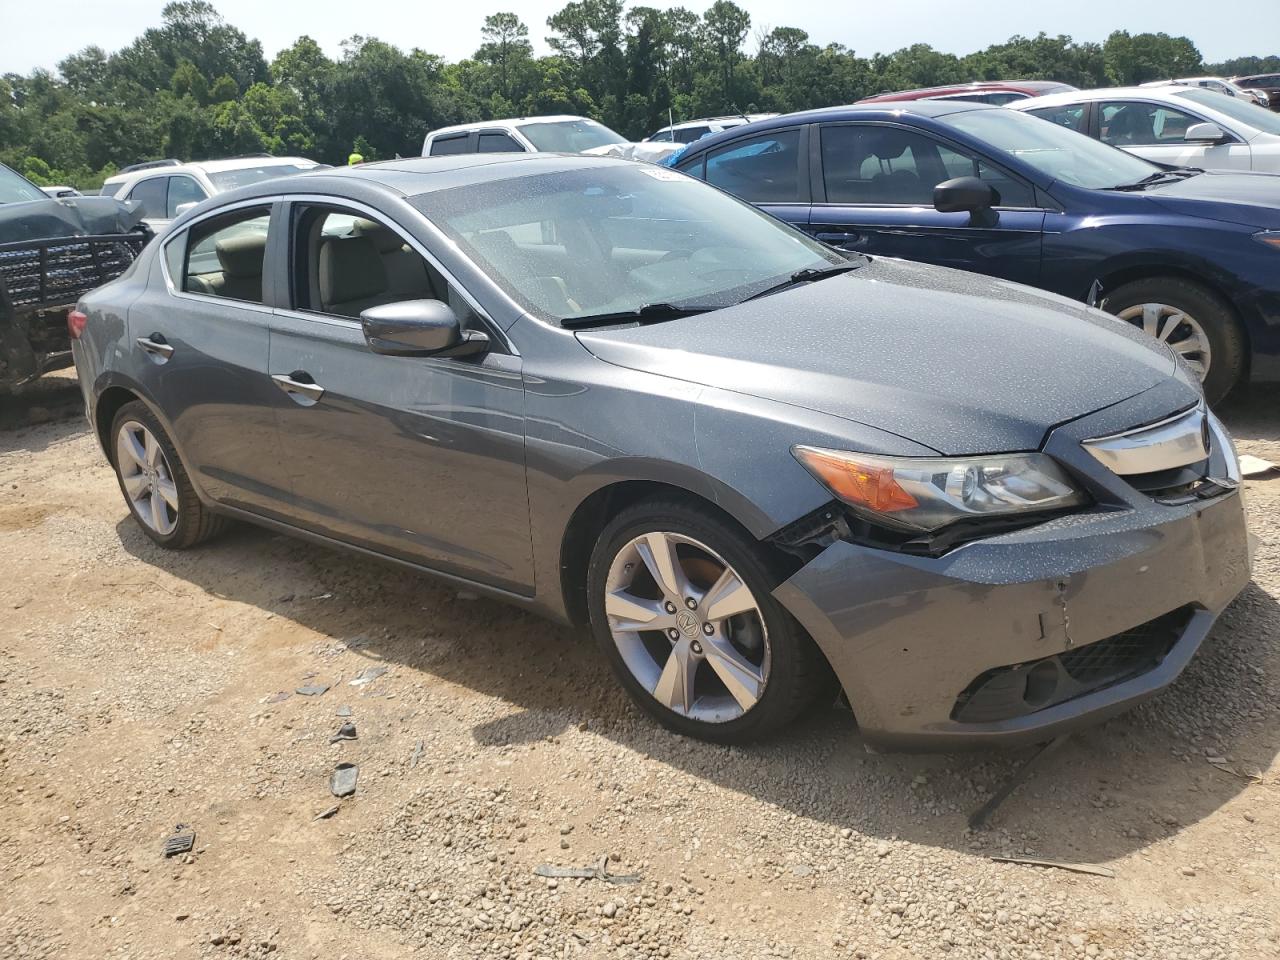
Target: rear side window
[498, 143]
[446, 146]
[1070, 116]
[690, 134]
[150, 197]
[764, 169]
[225, 255]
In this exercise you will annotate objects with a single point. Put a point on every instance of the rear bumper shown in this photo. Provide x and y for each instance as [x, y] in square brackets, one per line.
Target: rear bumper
[911, 638]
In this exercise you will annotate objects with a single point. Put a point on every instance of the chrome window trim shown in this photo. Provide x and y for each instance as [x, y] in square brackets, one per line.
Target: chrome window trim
[1176, 441]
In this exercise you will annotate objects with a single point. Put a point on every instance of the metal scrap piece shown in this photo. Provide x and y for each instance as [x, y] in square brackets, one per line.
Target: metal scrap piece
[598, 872]
[182, 840]
[1088, 868]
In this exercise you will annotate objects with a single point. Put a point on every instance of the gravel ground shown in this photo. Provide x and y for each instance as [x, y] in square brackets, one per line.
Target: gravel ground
[141, 689]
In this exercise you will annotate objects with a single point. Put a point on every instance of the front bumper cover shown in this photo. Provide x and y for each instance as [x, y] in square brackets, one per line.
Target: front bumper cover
[907, 635]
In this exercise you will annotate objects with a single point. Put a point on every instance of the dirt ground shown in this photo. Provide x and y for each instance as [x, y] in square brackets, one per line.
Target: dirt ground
[141, 689]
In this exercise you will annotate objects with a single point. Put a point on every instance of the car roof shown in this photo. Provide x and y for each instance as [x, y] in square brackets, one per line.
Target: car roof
[509, 122]
[207, 166]
[994, 86]
[1172, 91]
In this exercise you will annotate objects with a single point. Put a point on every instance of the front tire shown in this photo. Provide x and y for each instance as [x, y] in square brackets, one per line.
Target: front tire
[681, 603]
[1195, 322]
[155, 483]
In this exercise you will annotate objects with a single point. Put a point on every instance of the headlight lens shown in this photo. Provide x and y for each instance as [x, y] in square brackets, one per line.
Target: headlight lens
[1270, 237]
[927, 493]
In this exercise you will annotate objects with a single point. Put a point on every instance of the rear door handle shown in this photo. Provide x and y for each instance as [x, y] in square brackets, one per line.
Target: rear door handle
[840, 238]
[305, 392]
[156, 346]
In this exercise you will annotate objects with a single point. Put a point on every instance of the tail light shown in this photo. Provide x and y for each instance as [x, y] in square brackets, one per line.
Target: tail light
[75, 323]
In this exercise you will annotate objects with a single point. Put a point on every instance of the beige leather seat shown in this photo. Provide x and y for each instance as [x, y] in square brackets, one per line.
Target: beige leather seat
[352, 276]
[240, 259]
[407, 274]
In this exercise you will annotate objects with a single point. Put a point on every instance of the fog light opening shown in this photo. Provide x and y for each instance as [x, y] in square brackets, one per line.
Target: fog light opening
[1042, 682]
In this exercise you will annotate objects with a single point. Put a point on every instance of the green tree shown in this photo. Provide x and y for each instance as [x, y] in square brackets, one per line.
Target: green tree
[506, 47]
[724, 28]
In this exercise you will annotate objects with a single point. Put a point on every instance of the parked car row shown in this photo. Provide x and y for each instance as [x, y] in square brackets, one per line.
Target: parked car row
[757, 465]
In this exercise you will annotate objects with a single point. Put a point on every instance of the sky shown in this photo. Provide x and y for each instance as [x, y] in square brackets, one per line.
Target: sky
[40, 35]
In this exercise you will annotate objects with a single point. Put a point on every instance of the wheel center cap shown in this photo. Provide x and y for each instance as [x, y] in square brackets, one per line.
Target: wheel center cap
[687, 623]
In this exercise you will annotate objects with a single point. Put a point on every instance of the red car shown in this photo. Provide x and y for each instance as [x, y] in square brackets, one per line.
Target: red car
[996, 92]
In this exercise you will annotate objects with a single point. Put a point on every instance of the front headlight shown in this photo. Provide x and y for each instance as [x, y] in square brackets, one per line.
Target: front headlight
[926, 493]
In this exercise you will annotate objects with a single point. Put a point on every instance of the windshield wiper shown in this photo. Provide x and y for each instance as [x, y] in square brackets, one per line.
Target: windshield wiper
[808, 275]
[1179, 173]
[648, 313]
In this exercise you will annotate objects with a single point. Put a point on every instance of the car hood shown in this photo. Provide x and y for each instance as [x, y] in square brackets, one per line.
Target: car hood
[961, 363]
[71, 217]
[1252, 199]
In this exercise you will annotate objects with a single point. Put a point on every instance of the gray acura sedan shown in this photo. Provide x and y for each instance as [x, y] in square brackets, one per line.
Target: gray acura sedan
[757, 469]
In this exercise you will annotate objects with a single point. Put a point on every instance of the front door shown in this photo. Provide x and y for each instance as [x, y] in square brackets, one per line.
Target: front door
[202, 344]
[1157, 132]
[875, 196]
[420, 458]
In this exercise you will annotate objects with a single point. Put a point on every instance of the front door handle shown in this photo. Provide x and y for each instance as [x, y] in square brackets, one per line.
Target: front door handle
[840, 238]
[156, 346]
[305, 392]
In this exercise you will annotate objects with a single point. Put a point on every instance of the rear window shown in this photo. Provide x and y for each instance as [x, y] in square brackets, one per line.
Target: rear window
[230, 179]
[1256, 116]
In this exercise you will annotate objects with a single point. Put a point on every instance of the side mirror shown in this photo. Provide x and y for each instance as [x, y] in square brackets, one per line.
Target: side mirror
[964, 195]
[182, 208]
[1204, 133]
[419, 328]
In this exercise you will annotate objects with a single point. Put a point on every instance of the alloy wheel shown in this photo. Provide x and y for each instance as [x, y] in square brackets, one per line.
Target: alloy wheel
[1177, 328]
[146, 477]
[687, 627]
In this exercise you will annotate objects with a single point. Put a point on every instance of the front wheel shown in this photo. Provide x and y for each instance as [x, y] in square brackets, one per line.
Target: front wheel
[1195, 323]
[680, 603]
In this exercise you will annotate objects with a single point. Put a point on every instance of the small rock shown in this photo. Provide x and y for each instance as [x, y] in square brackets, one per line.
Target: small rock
[610, 909]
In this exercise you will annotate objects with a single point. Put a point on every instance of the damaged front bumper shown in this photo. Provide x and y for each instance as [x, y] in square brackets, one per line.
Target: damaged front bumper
[1024, 636]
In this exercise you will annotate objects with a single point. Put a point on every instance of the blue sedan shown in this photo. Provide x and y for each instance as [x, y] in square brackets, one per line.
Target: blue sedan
[1193, 258]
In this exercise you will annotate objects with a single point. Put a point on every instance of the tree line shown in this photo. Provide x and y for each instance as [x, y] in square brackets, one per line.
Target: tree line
[196, 87]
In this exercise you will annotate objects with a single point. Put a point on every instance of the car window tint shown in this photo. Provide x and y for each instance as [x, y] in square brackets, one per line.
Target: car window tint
[498, 143]
[225, 255]
[150, 197]
[690, 134]
[446, 146]
[865, 163]
[762, 169]
[662, 137]
[182, 190]
[346, 262]
[697, 167]
[1134, 124]
[1071, 116]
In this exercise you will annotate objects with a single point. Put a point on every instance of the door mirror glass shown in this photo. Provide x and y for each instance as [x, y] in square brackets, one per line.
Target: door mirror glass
[418, 328]
[1204, 133]
[964, 195]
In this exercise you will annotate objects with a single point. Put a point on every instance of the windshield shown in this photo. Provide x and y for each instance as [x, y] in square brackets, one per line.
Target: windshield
[230, 179]
[1053, 150]
[15, 188]
[569, 136]
[1246, 111]
[618, 237]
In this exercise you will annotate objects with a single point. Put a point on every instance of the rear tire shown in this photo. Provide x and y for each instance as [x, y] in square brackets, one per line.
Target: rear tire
[752, 669]
[155, 483]
[1155, 303]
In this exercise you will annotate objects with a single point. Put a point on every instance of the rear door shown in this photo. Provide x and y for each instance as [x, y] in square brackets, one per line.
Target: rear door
[201, 347]
[1157, 132]
[873, 193]
[417, 457]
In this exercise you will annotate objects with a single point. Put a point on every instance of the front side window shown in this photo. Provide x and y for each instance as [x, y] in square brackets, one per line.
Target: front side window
[150, 197]
[15, 188]
[1053, 151]
[225, 255]
[1136, 124]
[346, 262]
[569, 136]
[869, 164]
[763, 169]
[690, 134]
[607, 239]
[183, 190]
[662, 136]
[498, 143]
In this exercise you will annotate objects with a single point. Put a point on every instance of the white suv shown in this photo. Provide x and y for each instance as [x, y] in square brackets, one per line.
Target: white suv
[166, 188]
[692, 130]
[557, 134]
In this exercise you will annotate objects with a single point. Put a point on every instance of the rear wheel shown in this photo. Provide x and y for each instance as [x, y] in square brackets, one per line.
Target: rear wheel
[154, 482]
[1196, 323]
[681, 604]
